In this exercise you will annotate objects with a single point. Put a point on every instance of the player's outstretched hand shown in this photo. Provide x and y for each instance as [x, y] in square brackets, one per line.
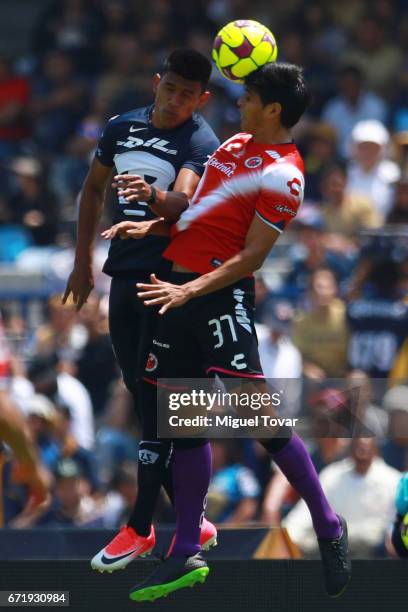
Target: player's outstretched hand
[128, 229]
[160, 292]
[132, 187]
[80, 283]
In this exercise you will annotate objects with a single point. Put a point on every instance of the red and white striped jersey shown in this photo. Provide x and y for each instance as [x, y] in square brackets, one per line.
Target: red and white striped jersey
[242, 179]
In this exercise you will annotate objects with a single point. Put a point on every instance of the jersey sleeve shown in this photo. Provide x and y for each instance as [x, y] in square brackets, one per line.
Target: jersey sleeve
[203, 143]
[105, 150]
[282, 188]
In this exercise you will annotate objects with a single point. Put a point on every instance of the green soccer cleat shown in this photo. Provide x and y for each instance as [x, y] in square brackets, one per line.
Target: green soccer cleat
[173, 573]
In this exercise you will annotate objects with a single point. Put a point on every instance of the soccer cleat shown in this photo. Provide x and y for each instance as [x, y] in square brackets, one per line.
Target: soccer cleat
[173, 573]
[208, 537]
[336, 561]
[125, 546]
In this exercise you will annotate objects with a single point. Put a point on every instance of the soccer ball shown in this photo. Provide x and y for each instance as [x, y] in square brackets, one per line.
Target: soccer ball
[241, 47]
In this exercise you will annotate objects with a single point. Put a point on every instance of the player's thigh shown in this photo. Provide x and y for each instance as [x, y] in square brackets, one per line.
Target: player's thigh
[127, 318]
[227, 333]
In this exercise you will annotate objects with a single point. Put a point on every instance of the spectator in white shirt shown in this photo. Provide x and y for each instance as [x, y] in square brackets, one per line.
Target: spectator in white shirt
[279, 357]
[370, 173]
[362, 489]
[353, 104]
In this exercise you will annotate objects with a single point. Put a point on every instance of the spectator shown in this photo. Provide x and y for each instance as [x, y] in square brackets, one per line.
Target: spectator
[312, 249]
[320, 333]
[66, 390]
[378, 318]
[121, 496]
[33, 206]
[234, 490]
[41, 419]
[70, 507]
[280, 359]
[353, 104]
[370, 174]
[62, 335]
[57, 103]
[115, 441]
[395, 449]
[398, 213]
[319, 156]
[125, 84]
[379, 60]
[343, 212]
[14, 99]
[70, 449]
[362, 489]
[96, 366]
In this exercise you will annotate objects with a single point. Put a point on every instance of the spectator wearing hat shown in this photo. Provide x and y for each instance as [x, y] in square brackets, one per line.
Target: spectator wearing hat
[70, 507]
[41, 418]
[362, 489]
[33, 206]
[370, 173]
[395, 450]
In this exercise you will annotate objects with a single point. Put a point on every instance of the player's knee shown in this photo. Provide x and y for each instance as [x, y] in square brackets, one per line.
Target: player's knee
[154, 458]
[278, 442]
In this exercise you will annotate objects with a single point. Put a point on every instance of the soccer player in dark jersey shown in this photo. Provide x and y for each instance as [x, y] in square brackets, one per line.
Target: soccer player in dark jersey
[251, 189]
[158, 155]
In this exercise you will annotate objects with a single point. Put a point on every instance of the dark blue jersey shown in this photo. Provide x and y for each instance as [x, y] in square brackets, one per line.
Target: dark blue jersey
[133, 145]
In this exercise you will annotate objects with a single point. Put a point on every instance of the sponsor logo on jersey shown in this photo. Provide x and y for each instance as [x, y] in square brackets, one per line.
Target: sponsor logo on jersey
[285, 209]
[253, 162]
[273, 154]
[148, 457]
[133, 129]
[152, 363]
[154, 143]
[227, 168]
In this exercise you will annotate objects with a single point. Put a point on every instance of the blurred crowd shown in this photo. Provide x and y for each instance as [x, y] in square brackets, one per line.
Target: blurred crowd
[332, 305]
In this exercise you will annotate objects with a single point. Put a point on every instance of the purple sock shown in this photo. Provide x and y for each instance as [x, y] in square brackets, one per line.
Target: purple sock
[296, 464]
[191, 478]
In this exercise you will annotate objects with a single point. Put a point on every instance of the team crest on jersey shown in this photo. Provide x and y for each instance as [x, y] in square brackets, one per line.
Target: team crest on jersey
[152, 363]
[253, 162]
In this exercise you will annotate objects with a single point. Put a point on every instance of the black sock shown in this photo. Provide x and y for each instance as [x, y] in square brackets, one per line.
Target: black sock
[152, 466]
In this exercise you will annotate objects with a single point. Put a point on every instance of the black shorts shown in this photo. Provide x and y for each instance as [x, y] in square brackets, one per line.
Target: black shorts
[209, 335]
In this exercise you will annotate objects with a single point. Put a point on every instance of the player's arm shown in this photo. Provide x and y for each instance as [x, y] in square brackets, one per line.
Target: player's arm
[80, 282]
[138, 229]
[14, 431]
[259, 241]
[166, 204]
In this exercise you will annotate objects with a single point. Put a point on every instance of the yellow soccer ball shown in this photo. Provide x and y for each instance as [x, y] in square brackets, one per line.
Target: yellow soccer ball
[241, 47]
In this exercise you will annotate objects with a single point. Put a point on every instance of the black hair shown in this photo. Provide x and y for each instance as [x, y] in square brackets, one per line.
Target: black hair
[189, 64]
[283, 83]
[339, 165]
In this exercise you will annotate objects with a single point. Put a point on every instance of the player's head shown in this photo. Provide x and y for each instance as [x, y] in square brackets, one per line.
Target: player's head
[181, 88]
[275, 95]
